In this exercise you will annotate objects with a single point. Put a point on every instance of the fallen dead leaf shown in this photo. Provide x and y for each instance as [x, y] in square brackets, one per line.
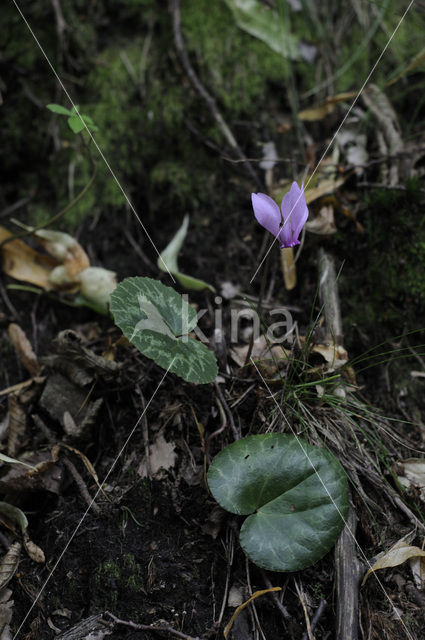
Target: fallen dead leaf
[35, 553]
[270, 357]
[161, 456]
[323, 223]
[24, 349]
[6, 611]
[24, 263]
[398, 554]
[411, 474]
[9, 564]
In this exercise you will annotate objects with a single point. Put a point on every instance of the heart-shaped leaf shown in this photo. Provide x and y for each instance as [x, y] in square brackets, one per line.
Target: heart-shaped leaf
[157, 320]
[296, 493]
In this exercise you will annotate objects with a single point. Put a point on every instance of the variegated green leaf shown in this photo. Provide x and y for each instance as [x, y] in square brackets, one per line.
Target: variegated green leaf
[157, 320]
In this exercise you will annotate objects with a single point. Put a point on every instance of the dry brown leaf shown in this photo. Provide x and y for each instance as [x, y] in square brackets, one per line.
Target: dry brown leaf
[323, 223]
[411, 474]
[17, 424]
[35, 553]
[270, 357]
[47, 476]
[6, 611]
[24, 349]
[161, 457]
[322, 110]
[335, 355]
[398, 554]
[325, 187]
[65, 249]
[23, 263]
[9, 564]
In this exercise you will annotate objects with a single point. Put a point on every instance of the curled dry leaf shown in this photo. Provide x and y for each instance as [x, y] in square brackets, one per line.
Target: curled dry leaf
[46, 476]
[65, 249]
[24, 349]
[6, 611]
[35, 553]
[161, 457]
[17, 424]
[335, 355]
[269, 357]
[399, 553]
[411, 474]
[323, 223]
[9, 564]
[24, 263]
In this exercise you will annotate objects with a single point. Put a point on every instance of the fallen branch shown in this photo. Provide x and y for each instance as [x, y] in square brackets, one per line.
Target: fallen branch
[349, 571]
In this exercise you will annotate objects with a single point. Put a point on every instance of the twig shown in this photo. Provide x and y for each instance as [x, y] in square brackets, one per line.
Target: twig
[81, 485]
[151, 627]
[283, 610]
[315, 619]
[301, 595]
[69, 465]
[228, 412]
[229, 557]
[328, 289]
[253, 607]
[389, 187]
[181, 51]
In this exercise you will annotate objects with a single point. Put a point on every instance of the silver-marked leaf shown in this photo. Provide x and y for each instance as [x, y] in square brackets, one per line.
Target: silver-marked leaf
[157, 320]
[296, 493]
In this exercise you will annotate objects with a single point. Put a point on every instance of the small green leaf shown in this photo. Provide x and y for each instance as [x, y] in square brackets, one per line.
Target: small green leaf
[157, 320]
[76, 124]
[193, 284]
[6, 458]
[167, 261]
[57, 108]
[296, 493]
[14, 515]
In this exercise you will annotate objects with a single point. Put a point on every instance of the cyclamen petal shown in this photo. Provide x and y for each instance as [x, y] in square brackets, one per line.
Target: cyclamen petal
[287, 223]
[267, 212]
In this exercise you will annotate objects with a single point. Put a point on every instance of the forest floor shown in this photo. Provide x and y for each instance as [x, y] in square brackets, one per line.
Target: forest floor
[125, 539]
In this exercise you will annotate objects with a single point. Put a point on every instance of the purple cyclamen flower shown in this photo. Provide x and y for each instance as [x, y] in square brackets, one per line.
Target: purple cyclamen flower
[284, 223]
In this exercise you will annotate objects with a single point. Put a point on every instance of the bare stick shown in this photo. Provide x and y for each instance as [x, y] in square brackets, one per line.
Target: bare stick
[181, 50]
[328, 289]
[151, 627]
[348, 574]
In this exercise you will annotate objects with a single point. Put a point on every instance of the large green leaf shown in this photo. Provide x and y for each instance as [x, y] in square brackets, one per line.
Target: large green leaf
[157, 320]
[296, 493]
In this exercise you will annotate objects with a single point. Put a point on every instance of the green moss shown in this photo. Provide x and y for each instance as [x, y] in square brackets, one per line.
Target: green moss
[114, 580]
[383, 285]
